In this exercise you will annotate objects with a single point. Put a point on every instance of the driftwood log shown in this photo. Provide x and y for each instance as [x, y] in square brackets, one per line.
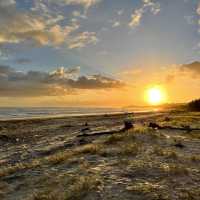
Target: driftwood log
[185, 128]
[128, 124]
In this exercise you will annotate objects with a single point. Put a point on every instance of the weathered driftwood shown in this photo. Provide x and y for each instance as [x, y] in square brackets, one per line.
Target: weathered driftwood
[127, 125]
[186, 128]
[99, 133]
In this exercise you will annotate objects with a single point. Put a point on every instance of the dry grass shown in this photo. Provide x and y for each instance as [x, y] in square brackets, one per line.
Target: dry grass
[89, 149]
[195, 158]
[82, 187]
[166, 153]
[113, 139]
[54, 159]
[47, 196]
[76, 188]
[130, 149]
[154, 191]
[7, 170]
[142, 129]
[145, 158]
[176, 170]
[195, 134]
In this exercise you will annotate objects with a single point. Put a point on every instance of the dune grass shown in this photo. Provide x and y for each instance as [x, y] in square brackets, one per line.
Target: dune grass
[74, 189]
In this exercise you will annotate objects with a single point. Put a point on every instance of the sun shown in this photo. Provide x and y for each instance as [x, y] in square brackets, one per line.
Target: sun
[155, 96]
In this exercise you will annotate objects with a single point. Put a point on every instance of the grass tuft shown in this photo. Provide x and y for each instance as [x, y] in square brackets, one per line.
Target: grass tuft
[82, 187]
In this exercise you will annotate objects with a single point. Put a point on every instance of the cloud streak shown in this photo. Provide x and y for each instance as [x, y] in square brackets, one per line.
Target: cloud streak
[57, 83]
[148, 5]
[84, 3]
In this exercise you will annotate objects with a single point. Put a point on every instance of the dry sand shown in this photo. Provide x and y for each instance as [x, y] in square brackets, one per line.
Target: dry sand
[42, 159]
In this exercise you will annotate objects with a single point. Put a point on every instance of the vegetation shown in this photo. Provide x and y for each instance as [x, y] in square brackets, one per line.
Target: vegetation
[194, 105]
[141, 163]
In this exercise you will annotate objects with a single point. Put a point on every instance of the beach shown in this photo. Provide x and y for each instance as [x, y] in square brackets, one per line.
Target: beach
[99, 100]
[43, 158]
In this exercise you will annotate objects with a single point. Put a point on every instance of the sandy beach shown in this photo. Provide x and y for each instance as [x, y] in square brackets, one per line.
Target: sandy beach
[44, 158]
[99, 100]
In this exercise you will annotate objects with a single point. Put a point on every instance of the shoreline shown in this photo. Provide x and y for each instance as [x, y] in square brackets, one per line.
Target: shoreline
[61, 117]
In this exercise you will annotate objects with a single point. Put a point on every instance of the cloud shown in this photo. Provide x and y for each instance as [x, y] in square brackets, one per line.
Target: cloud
[190, 19]
[136, 17]
[82, 39]
[6, 70]
[43, 9]
[132, 72]
[16, 27]
[65, 73]
[193, 68]
[148, 5]
[198, 13]
[198, 9]
[84, 3]
[39, 27]
[4, 55]
[120, 12]
[78, 14]
[190, 70]
[170, 78]
[57, 83]
[116, 24]
[23, 61]
[95, 82]
[5, 3]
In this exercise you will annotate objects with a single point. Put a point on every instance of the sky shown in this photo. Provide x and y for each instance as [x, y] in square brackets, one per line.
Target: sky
[98, 52]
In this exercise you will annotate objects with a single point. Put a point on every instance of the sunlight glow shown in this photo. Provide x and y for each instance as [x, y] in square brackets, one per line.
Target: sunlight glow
[155, 96]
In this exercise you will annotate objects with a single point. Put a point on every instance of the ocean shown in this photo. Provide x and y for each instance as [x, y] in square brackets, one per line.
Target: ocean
[29, 113]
